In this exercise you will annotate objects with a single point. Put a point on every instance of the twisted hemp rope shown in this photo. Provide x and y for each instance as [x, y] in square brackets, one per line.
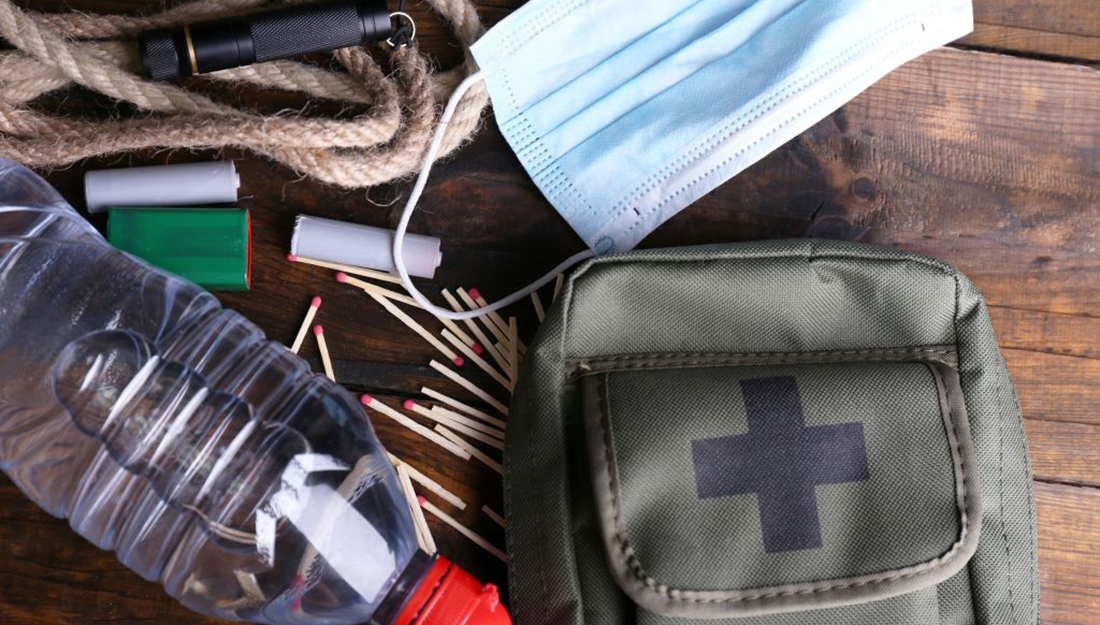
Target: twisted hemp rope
[96, 51]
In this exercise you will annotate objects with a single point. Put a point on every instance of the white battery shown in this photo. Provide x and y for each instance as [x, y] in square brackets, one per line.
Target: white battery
[363, 246]
[188, 184]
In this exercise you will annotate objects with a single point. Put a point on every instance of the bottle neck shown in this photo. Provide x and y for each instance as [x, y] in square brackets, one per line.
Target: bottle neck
[448, 595]
[420, 565]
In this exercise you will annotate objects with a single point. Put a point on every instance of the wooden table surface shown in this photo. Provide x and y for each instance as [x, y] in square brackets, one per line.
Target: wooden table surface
[985, 154]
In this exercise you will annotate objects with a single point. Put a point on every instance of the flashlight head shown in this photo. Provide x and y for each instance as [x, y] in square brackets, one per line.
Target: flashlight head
[161, 55]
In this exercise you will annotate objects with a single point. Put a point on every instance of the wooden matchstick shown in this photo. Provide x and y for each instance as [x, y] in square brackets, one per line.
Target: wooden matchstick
[469, 386]
[407, 491]
[495, 432]
[495, 353]
[480, 301]
[499, 356]
[344, 278]
[558, 283]
[513, 325]
[505, 350]
[474, 300]
[427, 542]
[492, 514]
[419, 329]
[428, 483]
[441, 419]
[374, 404]
[319, 332]
[314, 306]
[462, 529]
[540, 312]
[478, 360]
[489, 319]
[470, 410]
[447, 417]
[353, 270]
[473, 451]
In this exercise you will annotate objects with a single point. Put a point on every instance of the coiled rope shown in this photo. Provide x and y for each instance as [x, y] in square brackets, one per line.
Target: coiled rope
[384, 144]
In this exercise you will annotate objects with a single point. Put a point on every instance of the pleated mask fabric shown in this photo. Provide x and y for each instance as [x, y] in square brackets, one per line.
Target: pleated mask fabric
[624, 112]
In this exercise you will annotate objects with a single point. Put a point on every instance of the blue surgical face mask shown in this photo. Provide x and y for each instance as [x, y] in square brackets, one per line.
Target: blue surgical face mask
[624, 112]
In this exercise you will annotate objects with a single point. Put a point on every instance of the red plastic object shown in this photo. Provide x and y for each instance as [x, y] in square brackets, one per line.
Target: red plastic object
[449, 595]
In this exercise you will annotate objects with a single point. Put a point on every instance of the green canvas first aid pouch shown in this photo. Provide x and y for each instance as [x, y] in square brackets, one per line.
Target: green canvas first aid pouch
[776, 433]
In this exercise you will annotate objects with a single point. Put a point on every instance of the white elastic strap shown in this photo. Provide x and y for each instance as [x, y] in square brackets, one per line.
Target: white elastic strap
[410, 206]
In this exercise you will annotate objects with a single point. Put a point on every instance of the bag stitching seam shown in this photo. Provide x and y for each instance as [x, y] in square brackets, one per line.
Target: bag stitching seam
[929, 263]
[581, 366]
[1004, 526]
[955, 328]
[1002, 378]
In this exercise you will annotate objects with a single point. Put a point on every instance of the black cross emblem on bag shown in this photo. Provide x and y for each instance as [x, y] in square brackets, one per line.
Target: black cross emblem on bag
[781, 461]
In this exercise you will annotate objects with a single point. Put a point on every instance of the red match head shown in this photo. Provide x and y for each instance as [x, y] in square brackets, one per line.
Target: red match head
[459, 361]
[292, 258]
[316, 302]
[474, 293]
[409, 404]
[365, 399]
[341, 277]
[420, 499]
[478, 349]
[318, 330]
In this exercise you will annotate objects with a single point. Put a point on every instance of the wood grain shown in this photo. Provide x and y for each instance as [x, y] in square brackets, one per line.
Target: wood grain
[1067, 453]
[1068, 335]
[1055, 388]
[1055, 28]
[988, 161]
[1068, 552]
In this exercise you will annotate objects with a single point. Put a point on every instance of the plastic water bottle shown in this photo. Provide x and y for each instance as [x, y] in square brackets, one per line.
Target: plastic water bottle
[210, 459]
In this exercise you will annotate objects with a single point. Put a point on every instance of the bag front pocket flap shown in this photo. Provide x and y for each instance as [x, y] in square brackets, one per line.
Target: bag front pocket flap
[755, 489]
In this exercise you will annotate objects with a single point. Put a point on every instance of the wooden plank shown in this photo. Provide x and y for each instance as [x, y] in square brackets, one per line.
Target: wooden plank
[1068, 335]
[1068, 553]
[1064, 452]
[1061, 28]
[1055, 388]
[986, 161]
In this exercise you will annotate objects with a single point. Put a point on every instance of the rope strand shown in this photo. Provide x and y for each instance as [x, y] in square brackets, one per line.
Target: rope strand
[55, 51]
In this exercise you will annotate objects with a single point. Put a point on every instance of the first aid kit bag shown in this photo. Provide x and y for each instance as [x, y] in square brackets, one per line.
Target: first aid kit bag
[210, 459]
[796, 432]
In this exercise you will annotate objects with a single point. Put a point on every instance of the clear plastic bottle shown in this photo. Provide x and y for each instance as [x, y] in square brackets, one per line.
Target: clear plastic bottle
[210, 459]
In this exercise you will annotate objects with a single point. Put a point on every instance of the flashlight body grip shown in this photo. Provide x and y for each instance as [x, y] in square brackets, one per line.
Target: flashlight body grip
[265, 36]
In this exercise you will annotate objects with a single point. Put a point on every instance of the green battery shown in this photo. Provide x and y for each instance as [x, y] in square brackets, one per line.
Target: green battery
[209, 246]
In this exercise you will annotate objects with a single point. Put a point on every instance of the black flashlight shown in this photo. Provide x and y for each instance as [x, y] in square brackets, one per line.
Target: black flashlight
[265, 36]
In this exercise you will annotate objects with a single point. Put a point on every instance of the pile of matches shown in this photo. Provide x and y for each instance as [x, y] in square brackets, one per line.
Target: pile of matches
[456, 425]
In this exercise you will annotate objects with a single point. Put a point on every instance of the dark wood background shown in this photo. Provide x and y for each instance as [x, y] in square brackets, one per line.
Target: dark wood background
[985, 154]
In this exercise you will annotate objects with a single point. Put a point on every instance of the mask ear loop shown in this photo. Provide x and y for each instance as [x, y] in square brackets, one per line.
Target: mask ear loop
[410, 206]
